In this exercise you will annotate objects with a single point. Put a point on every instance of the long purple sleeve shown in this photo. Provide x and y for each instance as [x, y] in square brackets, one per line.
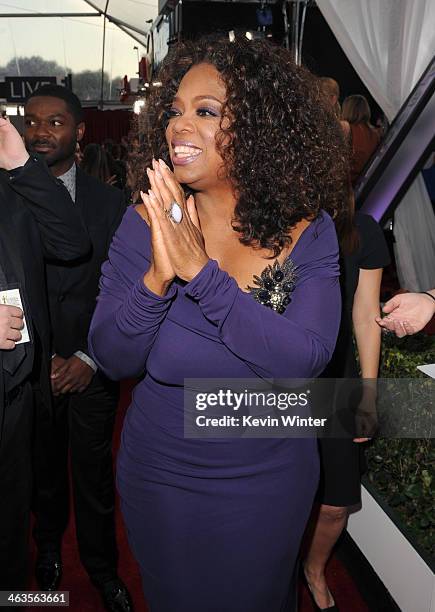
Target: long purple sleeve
[128, 315]
[298, 343]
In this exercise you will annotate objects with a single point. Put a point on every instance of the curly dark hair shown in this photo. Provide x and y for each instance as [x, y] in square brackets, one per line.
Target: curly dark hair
[283, 151]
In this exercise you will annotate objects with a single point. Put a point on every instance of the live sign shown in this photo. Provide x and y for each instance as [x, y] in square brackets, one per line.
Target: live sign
[18, 89]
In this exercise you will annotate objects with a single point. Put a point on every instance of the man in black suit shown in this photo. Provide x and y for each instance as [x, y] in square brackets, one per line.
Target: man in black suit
[85, 400]
[37, 220]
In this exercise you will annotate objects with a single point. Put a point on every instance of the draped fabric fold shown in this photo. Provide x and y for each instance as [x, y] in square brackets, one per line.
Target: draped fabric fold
[390, 44]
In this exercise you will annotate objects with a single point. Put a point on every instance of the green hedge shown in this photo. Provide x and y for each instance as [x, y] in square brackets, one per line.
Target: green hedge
[402, 471]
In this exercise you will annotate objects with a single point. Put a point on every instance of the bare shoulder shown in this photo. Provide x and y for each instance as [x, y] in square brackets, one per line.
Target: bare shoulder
[299, 229]
[141, 210]
[295, 234]
[301, 225]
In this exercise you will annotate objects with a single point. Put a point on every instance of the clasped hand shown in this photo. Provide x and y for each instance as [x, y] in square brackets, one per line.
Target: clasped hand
[177, 248]
[70, 375]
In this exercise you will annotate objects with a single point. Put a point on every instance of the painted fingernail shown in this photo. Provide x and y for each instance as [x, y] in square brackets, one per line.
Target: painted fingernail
[162, 163]
[151, 194]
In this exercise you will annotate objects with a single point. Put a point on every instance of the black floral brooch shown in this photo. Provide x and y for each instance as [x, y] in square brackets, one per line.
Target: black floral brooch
[275, 285]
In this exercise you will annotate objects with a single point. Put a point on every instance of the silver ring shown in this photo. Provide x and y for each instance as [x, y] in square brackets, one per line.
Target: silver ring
[175, 212]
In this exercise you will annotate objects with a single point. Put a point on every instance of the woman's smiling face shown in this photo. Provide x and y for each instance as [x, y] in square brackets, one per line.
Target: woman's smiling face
[194, 120]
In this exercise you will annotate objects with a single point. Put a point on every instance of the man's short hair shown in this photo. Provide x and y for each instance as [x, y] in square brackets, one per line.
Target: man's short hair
[58, 91]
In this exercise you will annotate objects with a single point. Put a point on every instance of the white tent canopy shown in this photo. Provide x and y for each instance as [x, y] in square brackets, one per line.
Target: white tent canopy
[129, 15]
[56, 37]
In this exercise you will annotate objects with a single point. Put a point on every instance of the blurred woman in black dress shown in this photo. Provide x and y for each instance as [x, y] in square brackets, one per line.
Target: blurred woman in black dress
[364, 253]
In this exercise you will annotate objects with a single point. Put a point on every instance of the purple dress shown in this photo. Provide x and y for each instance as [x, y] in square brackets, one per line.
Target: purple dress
[214, 524]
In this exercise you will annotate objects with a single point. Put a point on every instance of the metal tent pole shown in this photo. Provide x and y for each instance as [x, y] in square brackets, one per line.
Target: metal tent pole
[286, 25]
[102, 59]
[295, 30]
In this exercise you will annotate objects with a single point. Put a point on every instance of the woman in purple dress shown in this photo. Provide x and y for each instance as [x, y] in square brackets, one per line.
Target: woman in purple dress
[216, 524]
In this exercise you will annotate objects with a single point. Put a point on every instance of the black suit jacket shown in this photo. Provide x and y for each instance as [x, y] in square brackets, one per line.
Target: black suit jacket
[73, 287]
[37, 221]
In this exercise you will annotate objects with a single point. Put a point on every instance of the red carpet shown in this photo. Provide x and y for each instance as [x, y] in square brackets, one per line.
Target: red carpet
[84, 598]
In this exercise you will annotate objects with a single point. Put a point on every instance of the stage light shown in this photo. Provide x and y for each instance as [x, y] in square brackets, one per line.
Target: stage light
[137, 106]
